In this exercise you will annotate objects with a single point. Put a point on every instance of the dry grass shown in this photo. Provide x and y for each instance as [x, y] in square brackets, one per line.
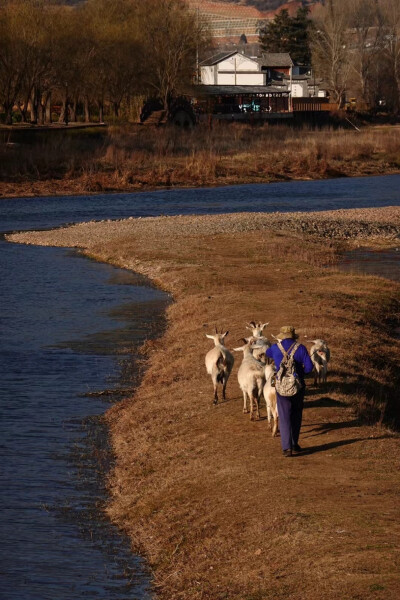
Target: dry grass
[136, 157]
[205, 493]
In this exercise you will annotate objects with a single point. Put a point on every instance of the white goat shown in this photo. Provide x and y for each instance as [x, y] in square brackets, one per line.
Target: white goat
[219, 363]
[320, 356]
[270, 398]
[261, 342]
[251, 379]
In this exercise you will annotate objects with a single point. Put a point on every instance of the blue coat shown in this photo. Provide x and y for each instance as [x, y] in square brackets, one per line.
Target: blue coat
[302, 359]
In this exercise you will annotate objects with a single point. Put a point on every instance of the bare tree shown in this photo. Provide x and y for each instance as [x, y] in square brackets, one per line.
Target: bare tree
[364, 42]
[12, 59]
[100, 51]
[391, 44]
[174, 37]
[329, 47]
[37, 22]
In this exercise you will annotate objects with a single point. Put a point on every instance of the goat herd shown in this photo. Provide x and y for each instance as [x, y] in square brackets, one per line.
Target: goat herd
[256, 375]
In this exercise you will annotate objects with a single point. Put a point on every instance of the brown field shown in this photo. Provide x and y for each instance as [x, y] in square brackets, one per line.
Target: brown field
[127, 158]
[203, 492]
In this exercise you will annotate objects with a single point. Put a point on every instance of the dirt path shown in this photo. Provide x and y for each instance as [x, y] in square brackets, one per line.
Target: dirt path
[204, 492]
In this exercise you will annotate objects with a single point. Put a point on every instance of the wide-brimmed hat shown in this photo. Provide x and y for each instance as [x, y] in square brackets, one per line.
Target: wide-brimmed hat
[287, 332]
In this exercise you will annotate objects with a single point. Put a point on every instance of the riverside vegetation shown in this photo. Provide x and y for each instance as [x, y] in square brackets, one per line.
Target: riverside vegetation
[203, 492]
[126, 158]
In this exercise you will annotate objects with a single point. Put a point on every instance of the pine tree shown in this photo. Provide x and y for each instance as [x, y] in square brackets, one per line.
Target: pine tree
[300, 39]
[289, 34]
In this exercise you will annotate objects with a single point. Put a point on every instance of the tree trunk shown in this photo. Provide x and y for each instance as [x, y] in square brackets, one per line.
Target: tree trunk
[73, 110]
[23, 107]
[397, 82]
[87, 109]
[8, 106]
[63, 108]
[101, 112]
[22, 110]
[43, 108]
[32, 105]
[62, 112]
[116, 108]
[35, 106]
[48, 108]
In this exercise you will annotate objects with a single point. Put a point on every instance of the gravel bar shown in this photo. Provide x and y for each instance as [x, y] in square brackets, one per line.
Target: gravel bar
[351, 224]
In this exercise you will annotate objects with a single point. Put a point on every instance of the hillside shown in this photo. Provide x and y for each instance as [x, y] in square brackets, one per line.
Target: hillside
[229, 20]
[267, 5]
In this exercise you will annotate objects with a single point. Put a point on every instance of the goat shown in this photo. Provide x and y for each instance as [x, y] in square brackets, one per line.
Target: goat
[320, 356]
[219, 363]
[262, 343]
[251, 378]
[270, 398]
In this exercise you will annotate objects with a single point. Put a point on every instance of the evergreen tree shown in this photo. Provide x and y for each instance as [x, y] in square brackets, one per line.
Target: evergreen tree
[300, 41]
[274, 37]
[289, 34]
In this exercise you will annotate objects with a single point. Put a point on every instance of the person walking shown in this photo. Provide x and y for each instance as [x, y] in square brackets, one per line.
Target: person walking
[296, 363]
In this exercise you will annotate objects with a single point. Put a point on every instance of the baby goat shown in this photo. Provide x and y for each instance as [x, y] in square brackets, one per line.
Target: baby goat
[251, 379]
[262, 343]
[320, 355]
[270, 398]
[219, 363]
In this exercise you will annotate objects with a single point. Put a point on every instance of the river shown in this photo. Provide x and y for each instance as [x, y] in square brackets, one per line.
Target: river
[66, 322]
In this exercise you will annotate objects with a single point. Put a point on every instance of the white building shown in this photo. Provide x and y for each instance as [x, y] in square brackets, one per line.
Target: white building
[232, 68]
[298, 85]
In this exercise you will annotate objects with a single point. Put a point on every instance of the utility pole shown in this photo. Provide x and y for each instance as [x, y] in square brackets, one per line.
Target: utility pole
[197, 44]
[235, 69]
[66, 104]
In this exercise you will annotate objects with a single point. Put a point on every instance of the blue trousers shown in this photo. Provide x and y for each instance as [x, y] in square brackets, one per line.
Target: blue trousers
[290, 410]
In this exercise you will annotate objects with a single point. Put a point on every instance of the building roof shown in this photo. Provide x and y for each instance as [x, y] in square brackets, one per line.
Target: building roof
[241, 72]
[234, 90]
[217, 58]
[279, 84]
[221, 56]
[276, 59]
[297, 77]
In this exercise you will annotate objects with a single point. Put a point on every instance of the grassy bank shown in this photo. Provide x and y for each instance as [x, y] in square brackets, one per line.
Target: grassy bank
[133, 157]
[204, 492]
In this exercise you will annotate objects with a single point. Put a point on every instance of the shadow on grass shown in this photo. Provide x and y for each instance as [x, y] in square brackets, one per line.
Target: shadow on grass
[377, 402]
[338, 444]
[323, 402]
[321, 428]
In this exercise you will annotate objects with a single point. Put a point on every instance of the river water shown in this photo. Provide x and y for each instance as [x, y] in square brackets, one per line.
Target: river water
[66, 321]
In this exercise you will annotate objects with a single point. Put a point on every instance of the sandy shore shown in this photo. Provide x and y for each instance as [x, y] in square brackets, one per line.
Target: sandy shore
[203, 492]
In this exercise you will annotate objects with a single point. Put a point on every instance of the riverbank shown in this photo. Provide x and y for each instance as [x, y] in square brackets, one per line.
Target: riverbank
[126, 159]
[202, 491]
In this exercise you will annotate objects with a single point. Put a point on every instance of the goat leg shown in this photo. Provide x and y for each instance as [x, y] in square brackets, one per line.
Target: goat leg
[224, 388]
[215, 401]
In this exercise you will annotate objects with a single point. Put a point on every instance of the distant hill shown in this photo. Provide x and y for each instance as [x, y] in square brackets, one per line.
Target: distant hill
[264, 6]
[231, 21]
[271, 5]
